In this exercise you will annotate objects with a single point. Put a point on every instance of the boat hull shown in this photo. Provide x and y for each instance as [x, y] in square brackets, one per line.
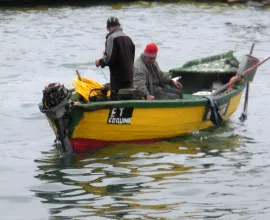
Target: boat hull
[91, 130]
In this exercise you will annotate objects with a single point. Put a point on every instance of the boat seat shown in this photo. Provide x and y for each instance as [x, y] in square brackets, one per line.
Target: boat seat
[130, 94]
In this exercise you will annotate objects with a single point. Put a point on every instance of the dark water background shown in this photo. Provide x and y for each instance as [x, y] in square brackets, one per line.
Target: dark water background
[205, 175]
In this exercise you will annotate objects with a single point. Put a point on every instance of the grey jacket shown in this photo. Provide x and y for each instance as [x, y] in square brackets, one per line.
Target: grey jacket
[119, 56]
[143, 77]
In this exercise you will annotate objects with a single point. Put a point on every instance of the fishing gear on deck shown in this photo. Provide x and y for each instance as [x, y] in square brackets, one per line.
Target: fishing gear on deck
[90, 89]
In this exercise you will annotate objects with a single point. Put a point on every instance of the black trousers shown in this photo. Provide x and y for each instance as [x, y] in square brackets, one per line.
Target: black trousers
[169, 93]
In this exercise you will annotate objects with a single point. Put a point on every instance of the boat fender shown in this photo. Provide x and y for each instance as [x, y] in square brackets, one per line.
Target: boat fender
[215, 117]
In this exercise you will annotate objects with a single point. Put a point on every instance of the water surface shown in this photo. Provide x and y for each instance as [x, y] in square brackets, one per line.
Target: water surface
[222, 174]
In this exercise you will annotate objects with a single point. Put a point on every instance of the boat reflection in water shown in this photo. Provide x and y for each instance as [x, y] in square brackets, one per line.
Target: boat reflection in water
[137, 180]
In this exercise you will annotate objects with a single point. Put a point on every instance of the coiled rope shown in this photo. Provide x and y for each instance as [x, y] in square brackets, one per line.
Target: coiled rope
[84, 86]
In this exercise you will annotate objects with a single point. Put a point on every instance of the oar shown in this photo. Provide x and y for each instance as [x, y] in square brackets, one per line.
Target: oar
[243, 116]
[238, 77]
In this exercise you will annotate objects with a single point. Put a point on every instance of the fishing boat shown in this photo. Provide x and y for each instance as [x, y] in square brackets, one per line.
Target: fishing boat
[85, 121]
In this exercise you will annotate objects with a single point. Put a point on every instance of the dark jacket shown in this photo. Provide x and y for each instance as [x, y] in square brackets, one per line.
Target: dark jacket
[119, 56]
[143, 77]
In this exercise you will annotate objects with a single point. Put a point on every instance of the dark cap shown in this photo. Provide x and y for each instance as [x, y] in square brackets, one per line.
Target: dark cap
[112, 21]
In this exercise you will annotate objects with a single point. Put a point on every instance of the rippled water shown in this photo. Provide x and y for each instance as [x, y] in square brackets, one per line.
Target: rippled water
[223, 174]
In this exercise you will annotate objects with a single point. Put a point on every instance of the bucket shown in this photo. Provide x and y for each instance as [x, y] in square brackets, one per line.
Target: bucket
[247, 62]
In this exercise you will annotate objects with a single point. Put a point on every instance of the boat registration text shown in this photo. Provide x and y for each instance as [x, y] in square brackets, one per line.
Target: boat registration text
[120, 116]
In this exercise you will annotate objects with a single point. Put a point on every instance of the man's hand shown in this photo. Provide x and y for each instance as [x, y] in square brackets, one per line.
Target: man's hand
[97, 63]
[177, 84]
[150, 97]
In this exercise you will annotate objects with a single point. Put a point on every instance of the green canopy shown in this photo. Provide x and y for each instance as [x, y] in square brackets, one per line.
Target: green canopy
[201, 74]
[222, 63]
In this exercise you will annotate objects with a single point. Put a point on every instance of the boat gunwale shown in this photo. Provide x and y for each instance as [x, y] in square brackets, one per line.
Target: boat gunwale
[185, 102]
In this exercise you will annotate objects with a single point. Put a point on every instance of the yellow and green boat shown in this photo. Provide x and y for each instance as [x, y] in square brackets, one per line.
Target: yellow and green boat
[82, 125]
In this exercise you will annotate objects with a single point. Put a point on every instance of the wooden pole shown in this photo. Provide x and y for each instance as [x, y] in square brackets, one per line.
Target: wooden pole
[79, 75]
[243, 116]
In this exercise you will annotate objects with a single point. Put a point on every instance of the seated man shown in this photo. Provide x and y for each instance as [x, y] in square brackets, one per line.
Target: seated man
[149, 79]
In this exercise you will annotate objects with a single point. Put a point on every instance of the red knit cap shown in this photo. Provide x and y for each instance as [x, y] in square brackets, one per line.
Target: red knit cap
[150, 50]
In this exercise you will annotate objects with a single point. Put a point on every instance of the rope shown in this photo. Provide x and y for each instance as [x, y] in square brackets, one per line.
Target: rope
[85, 86]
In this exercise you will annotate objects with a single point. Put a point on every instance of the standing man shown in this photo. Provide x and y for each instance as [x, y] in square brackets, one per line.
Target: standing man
[150, 80]
[119, 56]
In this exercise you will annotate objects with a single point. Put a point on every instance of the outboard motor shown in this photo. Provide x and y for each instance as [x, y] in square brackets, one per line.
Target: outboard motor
[56, 107]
